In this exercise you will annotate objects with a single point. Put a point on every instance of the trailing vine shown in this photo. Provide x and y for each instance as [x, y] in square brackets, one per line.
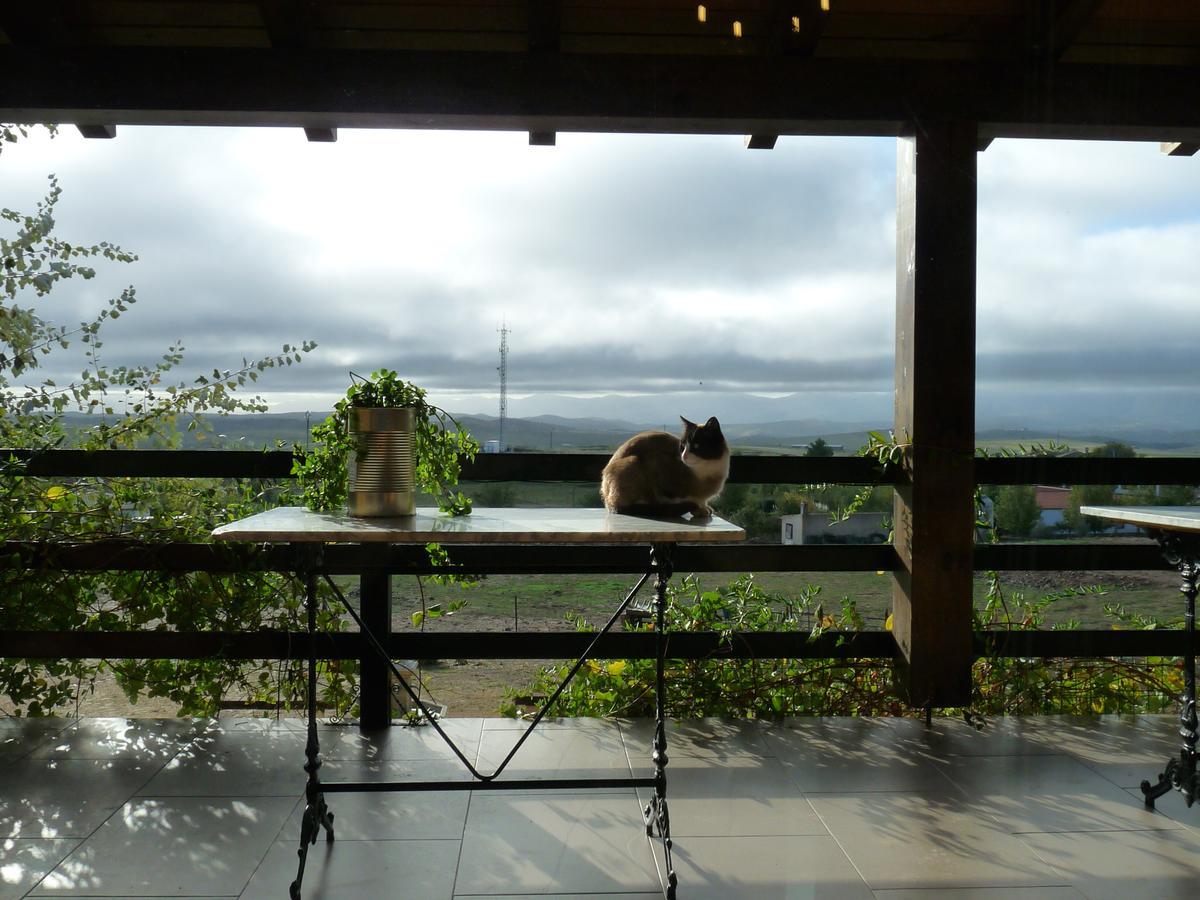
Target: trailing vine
[135, 406]
[441, 445]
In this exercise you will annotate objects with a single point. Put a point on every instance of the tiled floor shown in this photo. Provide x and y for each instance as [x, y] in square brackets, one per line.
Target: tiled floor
[827, 808]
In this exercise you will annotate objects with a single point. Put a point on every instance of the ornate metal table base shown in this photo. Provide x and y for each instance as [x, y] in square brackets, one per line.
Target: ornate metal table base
[1183, 550]
[316, 811]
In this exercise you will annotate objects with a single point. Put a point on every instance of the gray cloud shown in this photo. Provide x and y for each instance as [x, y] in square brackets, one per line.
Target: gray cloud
[703, 212]
[624, 264]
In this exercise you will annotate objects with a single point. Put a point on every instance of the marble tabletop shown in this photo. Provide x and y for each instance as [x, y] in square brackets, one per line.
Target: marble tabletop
[1168, 518]
[296, 524]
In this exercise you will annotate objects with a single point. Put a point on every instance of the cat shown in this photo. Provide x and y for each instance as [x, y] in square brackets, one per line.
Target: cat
[655, 473]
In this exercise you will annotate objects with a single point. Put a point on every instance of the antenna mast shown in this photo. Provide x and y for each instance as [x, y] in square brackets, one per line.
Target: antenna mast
[503, 370]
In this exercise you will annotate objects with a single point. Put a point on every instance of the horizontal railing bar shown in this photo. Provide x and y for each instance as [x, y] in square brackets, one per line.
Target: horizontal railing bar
[1080, 557]
[119, 555]
[551, 559]
[1077, 644]
[1088, 470]
[587, 467]
[1083, 644]
[742, 469]
[474, 559]
[440, 645]
[155, 463]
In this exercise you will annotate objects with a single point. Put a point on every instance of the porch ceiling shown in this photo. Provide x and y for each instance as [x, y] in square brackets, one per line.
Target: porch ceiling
[1074, 68]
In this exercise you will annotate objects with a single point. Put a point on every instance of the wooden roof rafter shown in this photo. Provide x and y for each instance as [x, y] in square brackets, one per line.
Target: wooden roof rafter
[792, 28]
[292, 25]
[1020, 68]
[42, 24]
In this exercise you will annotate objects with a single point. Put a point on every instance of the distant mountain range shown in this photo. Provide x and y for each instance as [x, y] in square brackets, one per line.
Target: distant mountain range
[601, 423]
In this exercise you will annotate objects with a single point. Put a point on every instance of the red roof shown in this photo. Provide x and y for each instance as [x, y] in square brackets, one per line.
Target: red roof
[1051, 497]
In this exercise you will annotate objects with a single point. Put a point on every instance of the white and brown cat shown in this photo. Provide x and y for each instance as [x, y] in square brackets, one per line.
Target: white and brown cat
[659, 474]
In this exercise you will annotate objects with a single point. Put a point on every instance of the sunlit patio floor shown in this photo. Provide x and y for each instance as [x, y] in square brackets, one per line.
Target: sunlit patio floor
[857, 808]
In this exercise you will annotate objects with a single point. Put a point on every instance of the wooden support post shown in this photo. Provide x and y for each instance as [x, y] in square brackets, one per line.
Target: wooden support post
[375, 607]
[935, 410]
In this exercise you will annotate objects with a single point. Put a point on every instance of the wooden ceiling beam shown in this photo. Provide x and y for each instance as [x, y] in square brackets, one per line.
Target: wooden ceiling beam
[1179, 148]
[795, 26]
[1070, 19]
[761, 141]
[39, 24]
[545, 26]
[98, 132]
[289, 23]
[545, 36]
[578, 92]
[792, 28]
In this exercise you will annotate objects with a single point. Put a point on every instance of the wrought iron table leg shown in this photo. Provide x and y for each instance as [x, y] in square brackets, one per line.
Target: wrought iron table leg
[316, 813]
[1180, 773]
[656, 813]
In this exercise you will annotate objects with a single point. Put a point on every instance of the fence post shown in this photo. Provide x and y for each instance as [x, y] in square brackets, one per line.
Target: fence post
[935, 410]
[375, 607]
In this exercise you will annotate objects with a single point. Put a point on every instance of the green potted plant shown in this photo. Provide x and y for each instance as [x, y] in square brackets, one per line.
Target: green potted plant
[426, 446]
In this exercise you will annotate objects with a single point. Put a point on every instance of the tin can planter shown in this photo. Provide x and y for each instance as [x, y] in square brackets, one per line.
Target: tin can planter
[382, 462]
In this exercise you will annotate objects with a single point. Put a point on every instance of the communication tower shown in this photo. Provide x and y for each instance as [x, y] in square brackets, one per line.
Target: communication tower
[503, 370]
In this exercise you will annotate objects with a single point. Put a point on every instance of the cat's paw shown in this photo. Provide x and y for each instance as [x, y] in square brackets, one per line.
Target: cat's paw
[701, 512]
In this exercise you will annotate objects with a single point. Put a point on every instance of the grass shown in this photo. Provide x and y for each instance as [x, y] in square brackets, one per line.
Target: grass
[557, 597]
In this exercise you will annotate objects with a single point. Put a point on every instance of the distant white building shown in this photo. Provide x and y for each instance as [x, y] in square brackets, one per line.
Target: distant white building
[493, 447]
[813, 526]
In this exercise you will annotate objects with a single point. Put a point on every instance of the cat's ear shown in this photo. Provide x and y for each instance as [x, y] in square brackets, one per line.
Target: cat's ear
[687, 424]
[713, 423]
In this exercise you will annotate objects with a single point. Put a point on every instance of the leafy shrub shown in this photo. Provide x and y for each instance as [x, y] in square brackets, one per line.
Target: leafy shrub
[728, 687]
[771, 688]
[131, 406]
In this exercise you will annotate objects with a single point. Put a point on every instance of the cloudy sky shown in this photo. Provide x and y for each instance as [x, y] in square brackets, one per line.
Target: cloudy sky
[686, 268]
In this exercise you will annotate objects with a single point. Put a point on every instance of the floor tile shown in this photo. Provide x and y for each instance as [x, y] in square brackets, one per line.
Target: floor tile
[1131, 865]
[59, 798]
[742, 796]
[389, 815]
[359, 870]
[257, 724]
[20, 735]
[1124, 749]
[400, 741]
[247, 764]
[592, 843]
[576, 723]
[1048, 793]
[555, 753]
[946, 737]
[1012, 893]
[708, 738]
[764, 868]
[172, 847]
[24, 862]
[852, 756]
[902, 840]
[121, 738]
[1172, 805]
[410, 770]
